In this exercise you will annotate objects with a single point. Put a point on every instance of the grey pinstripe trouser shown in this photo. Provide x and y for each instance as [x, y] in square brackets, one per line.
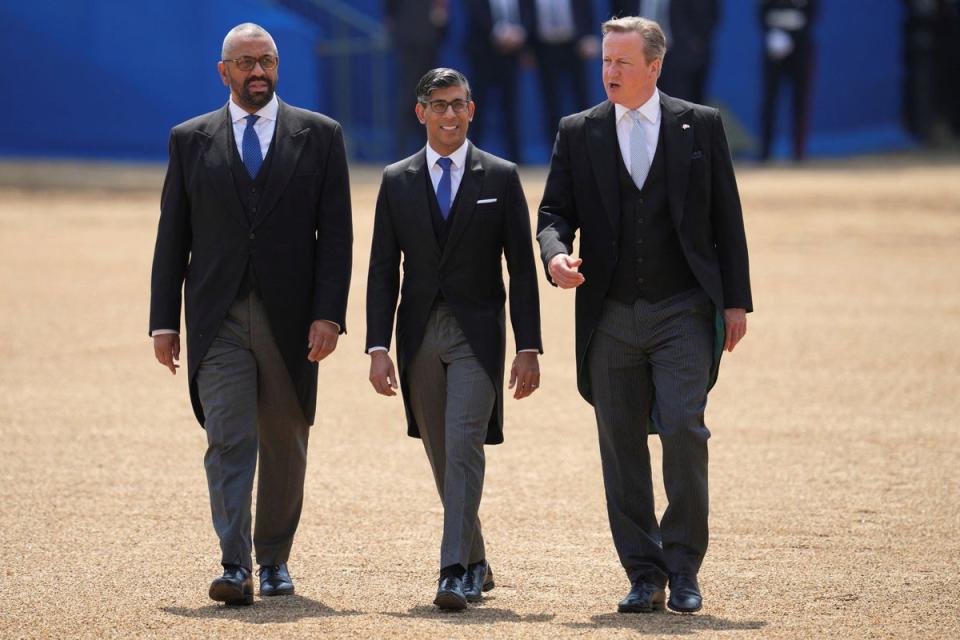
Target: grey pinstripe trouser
[251, 408]
[452, 398]
[653, 360]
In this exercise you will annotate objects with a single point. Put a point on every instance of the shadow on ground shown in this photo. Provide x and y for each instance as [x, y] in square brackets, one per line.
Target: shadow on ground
[264, 611]
[472, 615]
[666, 623]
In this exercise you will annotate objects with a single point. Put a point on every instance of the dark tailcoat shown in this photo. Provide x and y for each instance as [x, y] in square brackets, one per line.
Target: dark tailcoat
[295, 246]
[582, 194]
[466, 271]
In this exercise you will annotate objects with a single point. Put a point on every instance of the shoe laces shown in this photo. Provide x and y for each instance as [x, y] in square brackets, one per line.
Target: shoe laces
[273, 568]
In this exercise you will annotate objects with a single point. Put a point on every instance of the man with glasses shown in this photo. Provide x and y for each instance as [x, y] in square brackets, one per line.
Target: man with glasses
[255, 221]
[450, 212]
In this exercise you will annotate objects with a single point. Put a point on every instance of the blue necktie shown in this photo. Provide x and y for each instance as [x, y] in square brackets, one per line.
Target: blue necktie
[252, 156]
[443, 189]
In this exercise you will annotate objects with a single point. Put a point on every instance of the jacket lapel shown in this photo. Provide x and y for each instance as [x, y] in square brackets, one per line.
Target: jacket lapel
[417, 205]
[678, 145]
[289, 138]
[466, 198]
[218, 159]
[602, 148]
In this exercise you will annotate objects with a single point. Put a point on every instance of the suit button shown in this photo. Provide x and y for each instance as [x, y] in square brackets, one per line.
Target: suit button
[639, 280]
[254, 209]
[640, 200]
[639, 220]
[639, 240]
[639, 260]
[252, 236]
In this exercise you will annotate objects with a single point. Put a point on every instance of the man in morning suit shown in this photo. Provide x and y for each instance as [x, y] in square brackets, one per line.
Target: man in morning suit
[452, 211]
[255, 222]
[648, 181]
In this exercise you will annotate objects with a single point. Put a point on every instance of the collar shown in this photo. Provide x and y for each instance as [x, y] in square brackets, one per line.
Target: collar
[268, 112]
[459, 156]
[650, 110]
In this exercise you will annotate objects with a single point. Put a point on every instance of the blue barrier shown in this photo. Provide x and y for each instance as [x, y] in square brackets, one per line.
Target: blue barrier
[108, 79]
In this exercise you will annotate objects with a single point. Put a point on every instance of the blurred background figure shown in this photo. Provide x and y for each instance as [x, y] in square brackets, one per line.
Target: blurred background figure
[563, 37]
[416, 29]
[496, 36]
[931, 90]
[689, 27]
[787, 58]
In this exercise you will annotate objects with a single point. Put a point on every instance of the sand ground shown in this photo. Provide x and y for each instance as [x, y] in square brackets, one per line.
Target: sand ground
[834, 470]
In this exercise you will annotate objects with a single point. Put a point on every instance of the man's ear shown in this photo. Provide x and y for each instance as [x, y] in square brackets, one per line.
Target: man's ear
[421, 113]
[222, 70]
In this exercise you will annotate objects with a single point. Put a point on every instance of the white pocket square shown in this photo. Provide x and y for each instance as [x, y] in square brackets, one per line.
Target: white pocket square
[487, 201]
[685, 126]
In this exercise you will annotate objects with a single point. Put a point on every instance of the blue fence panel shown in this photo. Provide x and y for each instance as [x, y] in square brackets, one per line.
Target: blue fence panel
[108, 79]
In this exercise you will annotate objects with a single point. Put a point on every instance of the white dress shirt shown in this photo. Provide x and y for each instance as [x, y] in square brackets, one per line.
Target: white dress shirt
[459, 158]
[264, 125]
[649, 122]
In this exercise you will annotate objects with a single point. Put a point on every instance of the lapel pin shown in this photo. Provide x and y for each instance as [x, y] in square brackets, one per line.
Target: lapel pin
[685, 127]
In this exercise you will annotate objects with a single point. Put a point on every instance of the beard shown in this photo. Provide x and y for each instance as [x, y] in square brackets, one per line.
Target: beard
[256, 100]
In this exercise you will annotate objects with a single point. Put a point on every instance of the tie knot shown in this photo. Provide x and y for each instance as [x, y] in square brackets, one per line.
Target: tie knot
[444, 163]
[634, 115]
[251, 119]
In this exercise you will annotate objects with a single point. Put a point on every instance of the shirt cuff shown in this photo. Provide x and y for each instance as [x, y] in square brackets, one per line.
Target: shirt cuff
[163, 332]
[537, 351]
[372, 349]
[333, 323]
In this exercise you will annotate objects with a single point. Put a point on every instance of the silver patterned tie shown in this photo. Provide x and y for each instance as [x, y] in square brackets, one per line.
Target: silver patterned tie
[639, 157]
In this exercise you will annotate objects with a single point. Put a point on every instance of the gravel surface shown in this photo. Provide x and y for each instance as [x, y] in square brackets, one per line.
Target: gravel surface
[834, 471]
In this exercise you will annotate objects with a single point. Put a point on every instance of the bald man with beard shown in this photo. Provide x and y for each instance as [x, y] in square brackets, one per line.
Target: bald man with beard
[255, 230]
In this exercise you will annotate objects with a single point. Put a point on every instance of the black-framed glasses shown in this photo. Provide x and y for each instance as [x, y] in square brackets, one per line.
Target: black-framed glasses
[440, 106]
[247, 63]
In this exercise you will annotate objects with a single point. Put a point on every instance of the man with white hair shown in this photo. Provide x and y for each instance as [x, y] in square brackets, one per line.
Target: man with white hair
[662, 286]
[255, 226]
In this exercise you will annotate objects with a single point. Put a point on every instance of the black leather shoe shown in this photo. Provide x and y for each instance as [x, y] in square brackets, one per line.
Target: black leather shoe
[644, 597]
[450, 594]
[275, 580]
[477, 579]
[685, 593]
[234, 587]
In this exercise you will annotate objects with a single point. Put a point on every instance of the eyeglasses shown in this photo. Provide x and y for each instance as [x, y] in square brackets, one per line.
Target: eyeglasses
[247, 63]
[440, 106]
